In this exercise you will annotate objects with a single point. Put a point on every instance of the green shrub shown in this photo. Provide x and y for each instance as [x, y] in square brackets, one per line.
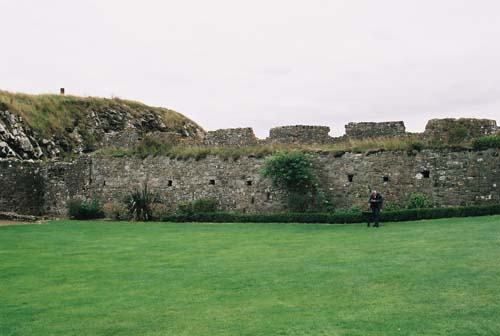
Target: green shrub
[321, 202]
[199, 206]
[417, 201]
[486, 142]
[391, 206]
[115, 211]
[417, 145]
[204, 205]
[290, 170]
[293, 172]
[151, 146]
[300, 202]
[458, 134]
[158, 211]
[139, 203]
[185, 208]
[79, 209]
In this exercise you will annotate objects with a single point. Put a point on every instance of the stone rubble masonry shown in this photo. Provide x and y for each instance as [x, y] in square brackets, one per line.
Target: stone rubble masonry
[440, 128]
[231, 137]
[299, 134]
[363, 130]
[304, 134]
[40, 188]
[447, 178]
[116, 129]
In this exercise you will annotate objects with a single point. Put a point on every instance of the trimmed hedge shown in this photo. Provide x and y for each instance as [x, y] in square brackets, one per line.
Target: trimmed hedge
[337, 218]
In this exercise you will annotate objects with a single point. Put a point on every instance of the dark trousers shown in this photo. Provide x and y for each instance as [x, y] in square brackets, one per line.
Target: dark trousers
[375, 216]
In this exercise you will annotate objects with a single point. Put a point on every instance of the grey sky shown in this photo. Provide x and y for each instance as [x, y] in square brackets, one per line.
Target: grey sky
[230, 63]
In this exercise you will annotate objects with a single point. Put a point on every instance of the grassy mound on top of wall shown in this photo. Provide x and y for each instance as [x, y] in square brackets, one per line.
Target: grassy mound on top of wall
[51, 114]
[339, 217]
[57, 116]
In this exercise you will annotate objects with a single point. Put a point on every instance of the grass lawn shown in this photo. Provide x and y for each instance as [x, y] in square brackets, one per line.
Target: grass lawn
[439, 277]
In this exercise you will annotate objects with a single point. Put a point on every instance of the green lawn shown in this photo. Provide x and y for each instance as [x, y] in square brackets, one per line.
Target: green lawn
[439, 277]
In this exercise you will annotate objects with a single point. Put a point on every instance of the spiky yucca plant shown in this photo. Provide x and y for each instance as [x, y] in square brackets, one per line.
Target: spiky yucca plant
[139, 203]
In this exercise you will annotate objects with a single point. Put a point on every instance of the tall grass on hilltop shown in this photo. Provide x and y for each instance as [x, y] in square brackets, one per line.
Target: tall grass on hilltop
[51, 114]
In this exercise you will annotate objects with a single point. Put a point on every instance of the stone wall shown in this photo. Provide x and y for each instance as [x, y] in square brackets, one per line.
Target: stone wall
[22, 187]
[38, 188]
[362, 130]
[442, 129]
[236, 184]
[446, 177]
[124, 140]
[231, 137]
[64, 181]
[299, 134]
[129, 139]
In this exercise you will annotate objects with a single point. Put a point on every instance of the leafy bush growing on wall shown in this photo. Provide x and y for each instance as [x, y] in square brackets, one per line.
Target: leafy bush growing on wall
[293, 172]
[458, 134]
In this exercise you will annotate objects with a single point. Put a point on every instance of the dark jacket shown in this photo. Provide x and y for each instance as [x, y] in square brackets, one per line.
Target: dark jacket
[376, 202]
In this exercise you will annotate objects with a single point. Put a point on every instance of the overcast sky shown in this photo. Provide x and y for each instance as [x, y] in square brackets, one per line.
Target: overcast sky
[263, 63]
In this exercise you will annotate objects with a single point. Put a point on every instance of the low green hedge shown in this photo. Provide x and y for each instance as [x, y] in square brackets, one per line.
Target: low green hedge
[337, 218]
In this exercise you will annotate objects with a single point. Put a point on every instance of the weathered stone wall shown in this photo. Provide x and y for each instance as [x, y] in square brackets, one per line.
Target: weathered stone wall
[441, 129]
[299, 134]
[22, 187]
[124, 140]
[231, 137]
[236, 184]
[362, 130]
[445, 177]
[130, 138]
[39, 188]
[64, 181]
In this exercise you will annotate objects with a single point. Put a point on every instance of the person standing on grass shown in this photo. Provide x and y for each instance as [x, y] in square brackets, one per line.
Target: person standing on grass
[376, 202]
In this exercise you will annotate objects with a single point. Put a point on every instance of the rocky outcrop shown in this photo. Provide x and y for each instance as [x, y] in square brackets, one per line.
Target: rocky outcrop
[83, 125]
[17, 140]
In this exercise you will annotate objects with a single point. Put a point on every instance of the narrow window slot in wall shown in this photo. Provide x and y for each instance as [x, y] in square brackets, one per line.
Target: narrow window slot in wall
[211, 182]
[103, 183]
[169, 183]
[268, 196]
[350, 177]
[249, 183]
[385, 178]
[426, 174]
[252, 200]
